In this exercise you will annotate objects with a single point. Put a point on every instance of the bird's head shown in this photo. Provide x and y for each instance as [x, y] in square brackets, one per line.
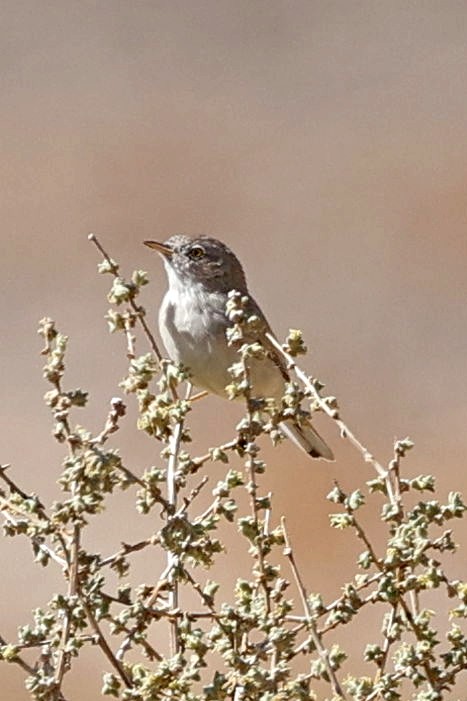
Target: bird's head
[203, 260]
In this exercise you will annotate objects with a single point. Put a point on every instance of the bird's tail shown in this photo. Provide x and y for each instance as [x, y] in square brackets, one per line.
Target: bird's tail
[309, 440]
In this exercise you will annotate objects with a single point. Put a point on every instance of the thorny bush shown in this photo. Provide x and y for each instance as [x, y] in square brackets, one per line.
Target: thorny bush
[269, 644]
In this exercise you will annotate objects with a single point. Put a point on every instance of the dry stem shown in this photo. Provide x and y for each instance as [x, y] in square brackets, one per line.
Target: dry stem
[288, 552]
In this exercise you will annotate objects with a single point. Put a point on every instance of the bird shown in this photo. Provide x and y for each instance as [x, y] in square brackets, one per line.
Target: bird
[201, 271]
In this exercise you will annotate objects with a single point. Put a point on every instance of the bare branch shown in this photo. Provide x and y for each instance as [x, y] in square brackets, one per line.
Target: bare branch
[288, 552]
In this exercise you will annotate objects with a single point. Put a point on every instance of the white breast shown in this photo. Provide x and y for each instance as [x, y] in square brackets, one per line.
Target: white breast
[192, 325]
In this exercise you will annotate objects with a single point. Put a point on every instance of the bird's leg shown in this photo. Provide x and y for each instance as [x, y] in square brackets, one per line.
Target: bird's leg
[199, 395]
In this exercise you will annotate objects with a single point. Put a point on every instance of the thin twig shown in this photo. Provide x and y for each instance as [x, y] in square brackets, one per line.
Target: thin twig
[13, 486]
[72, 592]
[17, 659]
[267, 517]
[150, 652]
[46, 549]
[210, 606]
[428, 671]
[73, 570]
[387, 641]
[394, 469]
[45, 643]
[174, 442]
[363, 536]
[172, 559]
[134, 306]
[288, 552]
[161, 584]
[252, 489]
[117, 411]
[331, 412]
[130, 338]
[104, 645]
[188, 500]
[165, 578]
[126, 549]
[198, 462]
[358, 587]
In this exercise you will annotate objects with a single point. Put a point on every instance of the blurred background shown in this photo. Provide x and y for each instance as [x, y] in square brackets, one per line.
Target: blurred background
[325, 142]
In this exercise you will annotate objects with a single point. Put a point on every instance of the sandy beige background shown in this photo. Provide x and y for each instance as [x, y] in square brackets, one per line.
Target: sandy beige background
[325, 141]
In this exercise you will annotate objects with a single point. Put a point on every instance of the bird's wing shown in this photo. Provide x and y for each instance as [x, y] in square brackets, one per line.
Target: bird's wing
[260, 336]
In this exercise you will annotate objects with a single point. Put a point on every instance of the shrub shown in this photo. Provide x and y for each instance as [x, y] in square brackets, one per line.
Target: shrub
[269, 639]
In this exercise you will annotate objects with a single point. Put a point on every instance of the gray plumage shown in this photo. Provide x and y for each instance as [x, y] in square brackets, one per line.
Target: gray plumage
[201, 272]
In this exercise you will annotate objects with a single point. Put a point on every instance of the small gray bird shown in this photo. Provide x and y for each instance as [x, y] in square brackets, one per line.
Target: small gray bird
[201, 272]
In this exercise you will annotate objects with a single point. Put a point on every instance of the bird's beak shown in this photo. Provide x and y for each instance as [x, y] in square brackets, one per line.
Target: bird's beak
[160, 248]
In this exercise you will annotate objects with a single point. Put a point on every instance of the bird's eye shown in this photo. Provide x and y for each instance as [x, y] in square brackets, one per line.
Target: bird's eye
[196, 252]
